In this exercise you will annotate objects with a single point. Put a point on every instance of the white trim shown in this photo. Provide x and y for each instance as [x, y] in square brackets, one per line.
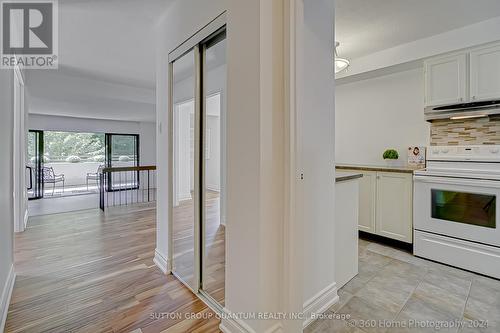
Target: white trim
[210, 302]
[25, 219]
[6, 295]
[218, 23]
[213, 187]
[161, 262]
[230, 324]
[18, 155]
[320, 302]
[277, 328]
[293, 273]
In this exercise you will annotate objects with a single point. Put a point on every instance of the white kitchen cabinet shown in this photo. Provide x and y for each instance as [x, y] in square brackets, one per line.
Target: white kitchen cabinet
[485, 73]
[446, 80]
[386, 204]
[394, 206]
[367, 200]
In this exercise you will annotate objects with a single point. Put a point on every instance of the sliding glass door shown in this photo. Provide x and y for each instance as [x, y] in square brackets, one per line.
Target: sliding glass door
[34, 165]
[197, 136]
[122, 150]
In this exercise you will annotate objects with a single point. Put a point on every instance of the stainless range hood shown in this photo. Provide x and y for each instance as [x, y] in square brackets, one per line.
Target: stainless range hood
[463, 110]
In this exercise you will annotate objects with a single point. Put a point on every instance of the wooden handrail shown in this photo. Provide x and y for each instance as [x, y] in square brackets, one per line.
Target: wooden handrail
[122, 169]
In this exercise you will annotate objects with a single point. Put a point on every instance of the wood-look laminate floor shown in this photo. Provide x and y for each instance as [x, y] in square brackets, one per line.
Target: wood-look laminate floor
[90, 271]
[213, 268]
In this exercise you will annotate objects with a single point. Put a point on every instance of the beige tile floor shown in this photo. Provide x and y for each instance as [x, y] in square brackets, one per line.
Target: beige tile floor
[397, 292]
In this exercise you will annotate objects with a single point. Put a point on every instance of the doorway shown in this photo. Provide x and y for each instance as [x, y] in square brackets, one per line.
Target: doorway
[122, 150]
[198, 154]
[34, 165]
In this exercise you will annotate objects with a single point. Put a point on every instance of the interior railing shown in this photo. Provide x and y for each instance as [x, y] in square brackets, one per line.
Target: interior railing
[123, 186]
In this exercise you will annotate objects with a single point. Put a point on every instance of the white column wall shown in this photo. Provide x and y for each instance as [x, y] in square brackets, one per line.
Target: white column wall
[253, 239]
[257, 136]
[317, 141]
[6, 186]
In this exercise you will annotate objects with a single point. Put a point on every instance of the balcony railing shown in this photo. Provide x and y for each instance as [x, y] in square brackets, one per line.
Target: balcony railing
[123, 186]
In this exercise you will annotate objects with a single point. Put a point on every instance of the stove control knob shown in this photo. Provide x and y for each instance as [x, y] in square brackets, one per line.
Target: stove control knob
[494, 150]
[445, 151]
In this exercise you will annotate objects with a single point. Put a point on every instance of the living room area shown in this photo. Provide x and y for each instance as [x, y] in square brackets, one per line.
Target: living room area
[65, 157]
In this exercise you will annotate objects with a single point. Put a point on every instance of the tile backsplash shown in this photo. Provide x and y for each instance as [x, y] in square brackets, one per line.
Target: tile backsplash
[463, 132]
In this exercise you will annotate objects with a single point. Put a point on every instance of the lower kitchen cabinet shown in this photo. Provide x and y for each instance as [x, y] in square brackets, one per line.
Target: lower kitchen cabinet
[367, 201]
[386, 203]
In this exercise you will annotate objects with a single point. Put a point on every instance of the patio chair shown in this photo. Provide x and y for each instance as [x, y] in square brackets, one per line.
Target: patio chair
[49, 177]
[94, 176]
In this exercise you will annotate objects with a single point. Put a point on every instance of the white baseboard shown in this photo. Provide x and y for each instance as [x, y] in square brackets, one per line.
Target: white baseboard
[234, 325]
[230, 324]
[25, 219]
[161, 262]
[6, 294]
[320, 302]
[213, 187]
[277, 328]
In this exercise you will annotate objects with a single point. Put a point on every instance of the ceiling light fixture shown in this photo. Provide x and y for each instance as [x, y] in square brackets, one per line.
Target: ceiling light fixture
[340, 63]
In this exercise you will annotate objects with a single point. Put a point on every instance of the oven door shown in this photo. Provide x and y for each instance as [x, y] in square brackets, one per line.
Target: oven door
[458, 207]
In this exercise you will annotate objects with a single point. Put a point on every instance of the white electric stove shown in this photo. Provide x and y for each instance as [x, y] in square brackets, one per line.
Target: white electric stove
[456, 212]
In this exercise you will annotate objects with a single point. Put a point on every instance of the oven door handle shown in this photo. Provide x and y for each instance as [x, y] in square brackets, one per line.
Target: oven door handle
[457, 181]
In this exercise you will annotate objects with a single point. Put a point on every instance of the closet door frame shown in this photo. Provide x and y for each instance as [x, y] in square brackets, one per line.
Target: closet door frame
[196, 44]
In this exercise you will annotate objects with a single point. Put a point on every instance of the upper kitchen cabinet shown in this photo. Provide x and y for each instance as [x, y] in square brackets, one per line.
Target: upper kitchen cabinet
[485, 73]
[446, 80]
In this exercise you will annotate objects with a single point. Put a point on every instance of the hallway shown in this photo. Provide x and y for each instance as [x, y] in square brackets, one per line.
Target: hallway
[93, 272]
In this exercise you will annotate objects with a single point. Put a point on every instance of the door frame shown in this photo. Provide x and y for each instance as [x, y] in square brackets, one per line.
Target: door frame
[20, 193]
[196, 42]
[108, 137]
[39, 166]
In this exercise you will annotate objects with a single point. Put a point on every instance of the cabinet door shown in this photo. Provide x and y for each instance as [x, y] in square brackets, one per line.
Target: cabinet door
[485, 73]
[367, 193]
[394, 206]
[446, 80]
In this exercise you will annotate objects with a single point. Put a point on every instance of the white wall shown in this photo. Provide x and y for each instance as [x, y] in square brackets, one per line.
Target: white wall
[6, 185]
[317, 126]
[375, 114]
[146, 131]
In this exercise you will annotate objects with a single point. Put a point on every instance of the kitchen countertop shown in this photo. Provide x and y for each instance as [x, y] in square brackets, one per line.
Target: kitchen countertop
[383, 168]
[345, 176]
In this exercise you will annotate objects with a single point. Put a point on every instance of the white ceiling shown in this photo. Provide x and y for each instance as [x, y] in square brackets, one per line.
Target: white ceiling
[60, 93]
[367, 26]
[106, 61]
[113, 40]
